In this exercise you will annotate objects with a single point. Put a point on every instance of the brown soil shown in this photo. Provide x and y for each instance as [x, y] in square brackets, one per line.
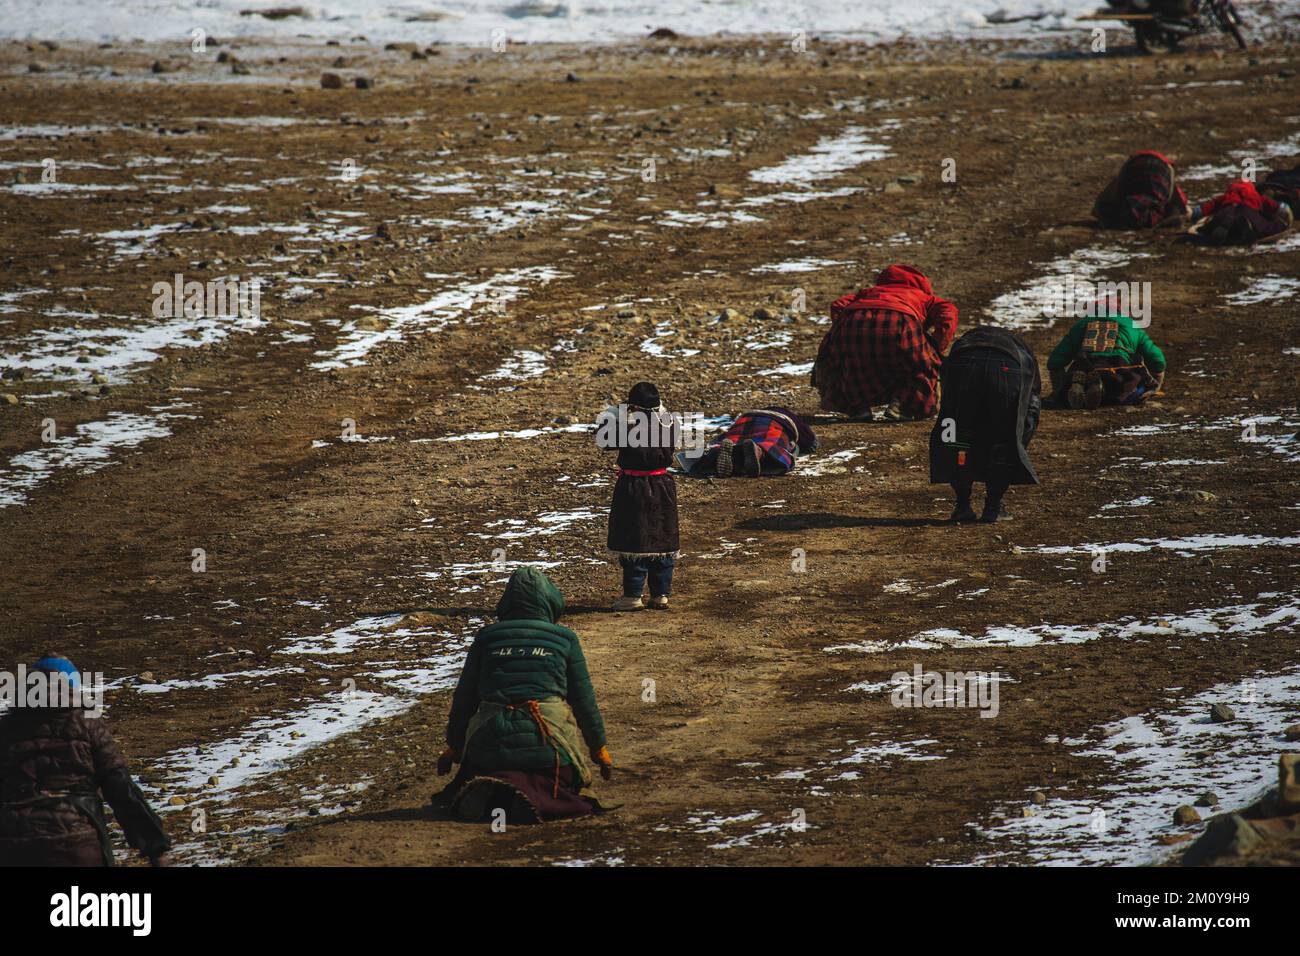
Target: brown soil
[98, 566]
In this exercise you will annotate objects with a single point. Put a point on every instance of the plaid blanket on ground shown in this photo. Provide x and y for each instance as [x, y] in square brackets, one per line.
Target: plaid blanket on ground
[876, 356]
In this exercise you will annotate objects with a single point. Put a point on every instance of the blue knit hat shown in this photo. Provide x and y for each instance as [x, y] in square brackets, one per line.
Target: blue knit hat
[59, 665]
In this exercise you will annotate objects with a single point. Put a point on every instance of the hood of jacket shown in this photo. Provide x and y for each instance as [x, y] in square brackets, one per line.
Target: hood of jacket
[531, 596]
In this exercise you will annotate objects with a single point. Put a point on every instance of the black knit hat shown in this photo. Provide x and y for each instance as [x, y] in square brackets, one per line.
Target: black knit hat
[644, 395]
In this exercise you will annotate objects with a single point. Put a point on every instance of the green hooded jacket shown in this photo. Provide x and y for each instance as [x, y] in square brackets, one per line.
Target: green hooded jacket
[1109, 335]
[525, 656]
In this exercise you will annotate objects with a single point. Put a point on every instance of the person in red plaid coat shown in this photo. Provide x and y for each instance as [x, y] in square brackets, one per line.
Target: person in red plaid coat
[884, 347]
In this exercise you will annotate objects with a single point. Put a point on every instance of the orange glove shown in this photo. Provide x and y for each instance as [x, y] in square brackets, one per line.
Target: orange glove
[446, 759]
[606, 762]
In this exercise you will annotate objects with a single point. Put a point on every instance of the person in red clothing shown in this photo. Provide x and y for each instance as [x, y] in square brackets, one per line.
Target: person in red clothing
[884, 347]
[1241, 216]
[1143, 196]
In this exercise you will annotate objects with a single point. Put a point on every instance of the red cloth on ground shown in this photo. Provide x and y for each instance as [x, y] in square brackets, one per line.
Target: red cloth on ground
[1241, 193]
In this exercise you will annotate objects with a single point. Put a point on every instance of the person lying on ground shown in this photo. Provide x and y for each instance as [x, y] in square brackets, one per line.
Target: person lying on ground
[58, 764]
[524, 725]
[643, 532]
[1143, 196]
[884, 347]
[987, 418]
[1105, 360]
[1240, 217]
[765, 441]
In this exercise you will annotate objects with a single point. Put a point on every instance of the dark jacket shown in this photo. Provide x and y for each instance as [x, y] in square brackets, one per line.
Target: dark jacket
[524, 656]
[991, 388]
[643, 513]
[54, 766]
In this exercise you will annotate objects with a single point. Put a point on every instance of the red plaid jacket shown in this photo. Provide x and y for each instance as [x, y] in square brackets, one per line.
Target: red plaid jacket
[886, 344]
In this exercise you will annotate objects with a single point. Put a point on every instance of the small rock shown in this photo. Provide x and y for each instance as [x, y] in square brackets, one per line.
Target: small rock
[1185, 816]
[364, 83]
[1227, 835]
[1221, 714]
[146, 677]
[9, 398]
[1292, 732]
[176, 802]
[1038, 797]
[37, 67]
[1208, 799]
[331, 81]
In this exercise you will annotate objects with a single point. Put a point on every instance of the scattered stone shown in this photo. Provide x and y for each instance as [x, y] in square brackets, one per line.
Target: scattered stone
[331, 81]
[239, 68]
[364, 83]
[663, 33]
[404, 47]
[1221, 714]
[146, 677]
[160, 67]
[277, 13]
[37, 66]
[1288, 780]
[729, 315]
[1292, 732]
[762, 314]
[1228, 834]
[369, 323]
[1038, 797]
[1026, 811]
[1186, 816]
[176, 802]
[571, 78]
[1208, 799]
[9, 398]
[213, 781]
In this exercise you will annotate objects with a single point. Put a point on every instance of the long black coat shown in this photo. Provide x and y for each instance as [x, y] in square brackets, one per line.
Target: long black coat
[643, 514]
[991, 388]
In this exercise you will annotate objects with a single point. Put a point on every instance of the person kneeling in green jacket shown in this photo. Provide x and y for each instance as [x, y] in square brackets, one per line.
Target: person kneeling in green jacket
[524, 719]
[1105, 360]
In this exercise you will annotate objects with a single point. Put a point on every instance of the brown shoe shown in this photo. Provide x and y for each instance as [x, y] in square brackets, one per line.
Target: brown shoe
[724, 466]
[1093, 393]
[1076, 396]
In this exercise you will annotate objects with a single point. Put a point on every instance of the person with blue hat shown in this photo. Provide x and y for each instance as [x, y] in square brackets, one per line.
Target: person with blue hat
[59, 763]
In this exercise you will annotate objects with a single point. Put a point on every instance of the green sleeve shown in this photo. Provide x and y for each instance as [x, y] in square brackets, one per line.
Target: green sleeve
[1149, 352]
[464, 702]
[1065, 352]
[582, 698]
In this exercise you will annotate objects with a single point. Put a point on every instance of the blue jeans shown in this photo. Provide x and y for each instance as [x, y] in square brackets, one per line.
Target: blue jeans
[636, 570]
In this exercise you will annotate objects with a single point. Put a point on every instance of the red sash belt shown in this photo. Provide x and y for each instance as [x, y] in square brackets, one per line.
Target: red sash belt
[632, 473]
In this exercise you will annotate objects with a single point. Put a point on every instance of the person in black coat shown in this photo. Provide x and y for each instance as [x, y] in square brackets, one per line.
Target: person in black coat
[643, 515]
[987, 417]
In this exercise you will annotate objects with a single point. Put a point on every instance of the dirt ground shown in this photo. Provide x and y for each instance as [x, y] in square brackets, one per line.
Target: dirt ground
[753, 724]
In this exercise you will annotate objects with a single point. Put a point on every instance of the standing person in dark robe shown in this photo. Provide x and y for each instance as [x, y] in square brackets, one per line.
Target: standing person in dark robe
[643, 531]
[1143, 196]
[524, 719]
[1240, 217]
[884, 348]
[58, 764]
[765, 441]
[987, 418]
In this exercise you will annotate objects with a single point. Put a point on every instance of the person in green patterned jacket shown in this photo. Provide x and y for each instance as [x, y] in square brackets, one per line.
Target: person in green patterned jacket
[524, 725]
[1105, 359]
